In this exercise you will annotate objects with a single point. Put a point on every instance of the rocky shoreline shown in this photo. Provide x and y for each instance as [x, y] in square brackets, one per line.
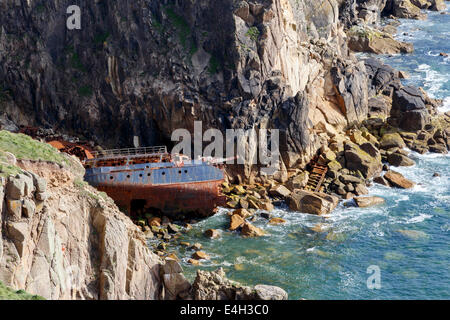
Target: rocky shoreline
[359, 116]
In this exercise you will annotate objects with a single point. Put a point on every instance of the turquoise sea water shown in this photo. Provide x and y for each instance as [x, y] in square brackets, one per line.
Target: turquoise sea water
[407, 238]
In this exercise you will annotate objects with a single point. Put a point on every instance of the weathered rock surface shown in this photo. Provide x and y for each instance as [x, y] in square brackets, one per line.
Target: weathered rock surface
[367, 39]
[175, 284]
[212, 233]
[215, 286]
[396, 179]
[74, 244]
[399, 160]
[236, 221]
[408, 107]
[312, 202]
[249, 230]
[364, 202]
[359, 160]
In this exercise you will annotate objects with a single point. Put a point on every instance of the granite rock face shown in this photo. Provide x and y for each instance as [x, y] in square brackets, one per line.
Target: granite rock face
[72, 243]
[145, 68]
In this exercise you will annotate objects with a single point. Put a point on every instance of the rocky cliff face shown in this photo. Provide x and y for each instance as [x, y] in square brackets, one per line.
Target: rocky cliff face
[61, 239]
[145, 68]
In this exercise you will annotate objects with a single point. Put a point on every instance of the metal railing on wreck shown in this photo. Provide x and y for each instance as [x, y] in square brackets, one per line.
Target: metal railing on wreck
[106, 154]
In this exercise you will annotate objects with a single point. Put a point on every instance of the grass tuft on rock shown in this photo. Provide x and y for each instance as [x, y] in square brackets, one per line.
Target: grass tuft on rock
[10, 294]
[25, 147]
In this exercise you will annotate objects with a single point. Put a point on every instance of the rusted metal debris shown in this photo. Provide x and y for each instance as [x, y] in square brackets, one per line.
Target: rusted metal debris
[77, 150]
[82, 150]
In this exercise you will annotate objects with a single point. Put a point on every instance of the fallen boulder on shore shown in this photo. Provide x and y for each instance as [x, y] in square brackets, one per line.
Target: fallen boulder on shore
[312, 202]
[396, 179]
[364, 202]
[215, 286]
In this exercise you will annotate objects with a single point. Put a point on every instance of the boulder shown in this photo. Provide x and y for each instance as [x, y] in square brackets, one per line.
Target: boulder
[171, 266]
[197, 246]
[408, 107]
[312, 202]
[279, 192]
[359, 160]
[439, 148]
[249, 230]
[361, 190]
[266, 205]
[392, 140]
[364, 202]
[405, 9]
[396, 179]
[236, 221]
[437, 5]
[194, 262]
[173, 228]
[381, 180]
[243, 203]
[299, 181]
[215, 286]
[154, 222]
[399, 160]
[378, 107]
[200, 255]
[175, 284]
[265, 292]
[346, 179]
[244, 213]
[370, 149]
[367, 39]
[212, 233]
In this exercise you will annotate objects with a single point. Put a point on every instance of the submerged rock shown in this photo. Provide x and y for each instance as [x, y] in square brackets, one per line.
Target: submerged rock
[413, 234]
[277, 221]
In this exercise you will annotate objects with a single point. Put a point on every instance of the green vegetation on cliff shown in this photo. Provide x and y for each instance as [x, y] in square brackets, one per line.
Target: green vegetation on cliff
[10, 294]
[24, 147]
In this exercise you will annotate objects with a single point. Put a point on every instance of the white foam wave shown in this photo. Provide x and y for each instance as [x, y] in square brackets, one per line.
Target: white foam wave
[420, 218]
[446, 105]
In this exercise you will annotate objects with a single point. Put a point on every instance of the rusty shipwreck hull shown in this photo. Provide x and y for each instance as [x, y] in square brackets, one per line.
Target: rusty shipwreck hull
[197, 198]
[140, 183]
